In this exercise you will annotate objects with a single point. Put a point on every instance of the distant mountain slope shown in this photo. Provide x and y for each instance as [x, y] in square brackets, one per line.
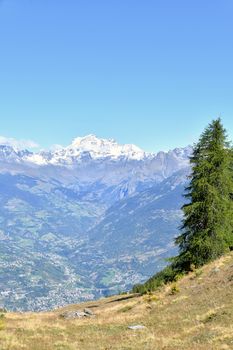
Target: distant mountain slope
[128, 217]
[137, 233]
[85, 220]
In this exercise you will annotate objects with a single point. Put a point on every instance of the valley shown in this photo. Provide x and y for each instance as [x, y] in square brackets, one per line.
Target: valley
[86, 221]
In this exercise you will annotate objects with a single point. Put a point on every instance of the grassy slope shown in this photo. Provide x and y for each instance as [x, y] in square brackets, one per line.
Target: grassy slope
[199, 315]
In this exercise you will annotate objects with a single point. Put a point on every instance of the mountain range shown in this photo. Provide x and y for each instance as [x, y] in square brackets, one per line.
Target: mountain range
[86, 220]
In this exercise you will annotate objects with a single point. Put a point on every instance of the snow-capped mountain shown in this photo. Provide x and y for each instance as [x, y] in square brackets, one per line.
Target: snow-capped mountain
[88, 147]
[12, 154]
[91, 150]
[97, 167]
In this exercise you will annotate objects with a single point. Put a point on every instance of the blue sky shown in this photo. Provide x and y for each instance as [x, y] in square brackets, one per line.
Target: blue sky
[151, 72]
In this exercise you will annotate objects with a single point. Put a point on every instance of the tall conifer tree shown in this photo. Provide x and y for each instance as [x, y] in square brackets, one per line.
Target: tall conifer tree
[207, 230]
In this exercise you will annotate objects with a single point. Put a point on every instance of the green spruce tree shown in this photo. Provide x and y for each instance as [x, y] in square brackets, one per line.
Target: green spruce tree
[207, 230]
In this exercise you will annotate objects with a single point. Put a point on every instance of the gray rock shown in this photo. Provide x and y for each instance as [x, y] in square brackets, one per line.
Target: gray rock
[89, 312]
[136, 327]
[216, 270]
[71, 315]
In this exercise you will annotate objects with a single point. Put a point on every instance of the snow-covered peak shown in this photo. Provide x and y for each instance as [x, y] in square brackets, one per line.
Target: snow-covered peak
[98, 153]
[88, 141]
[102, 148]
[87, 148]
[10, 153]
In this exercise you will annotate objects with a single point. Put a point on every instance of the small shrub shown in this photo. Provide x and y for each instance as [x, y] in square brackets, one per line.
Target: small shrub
[174, 289]
[198, 273]
[139, 288]
[192, 267]
[210, 317]
[178, 277]
[149, 298]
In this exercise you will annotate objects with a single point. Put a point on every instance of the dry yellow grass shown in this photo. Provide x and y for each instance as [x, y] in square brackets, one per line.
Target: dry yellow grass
[198, 316]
